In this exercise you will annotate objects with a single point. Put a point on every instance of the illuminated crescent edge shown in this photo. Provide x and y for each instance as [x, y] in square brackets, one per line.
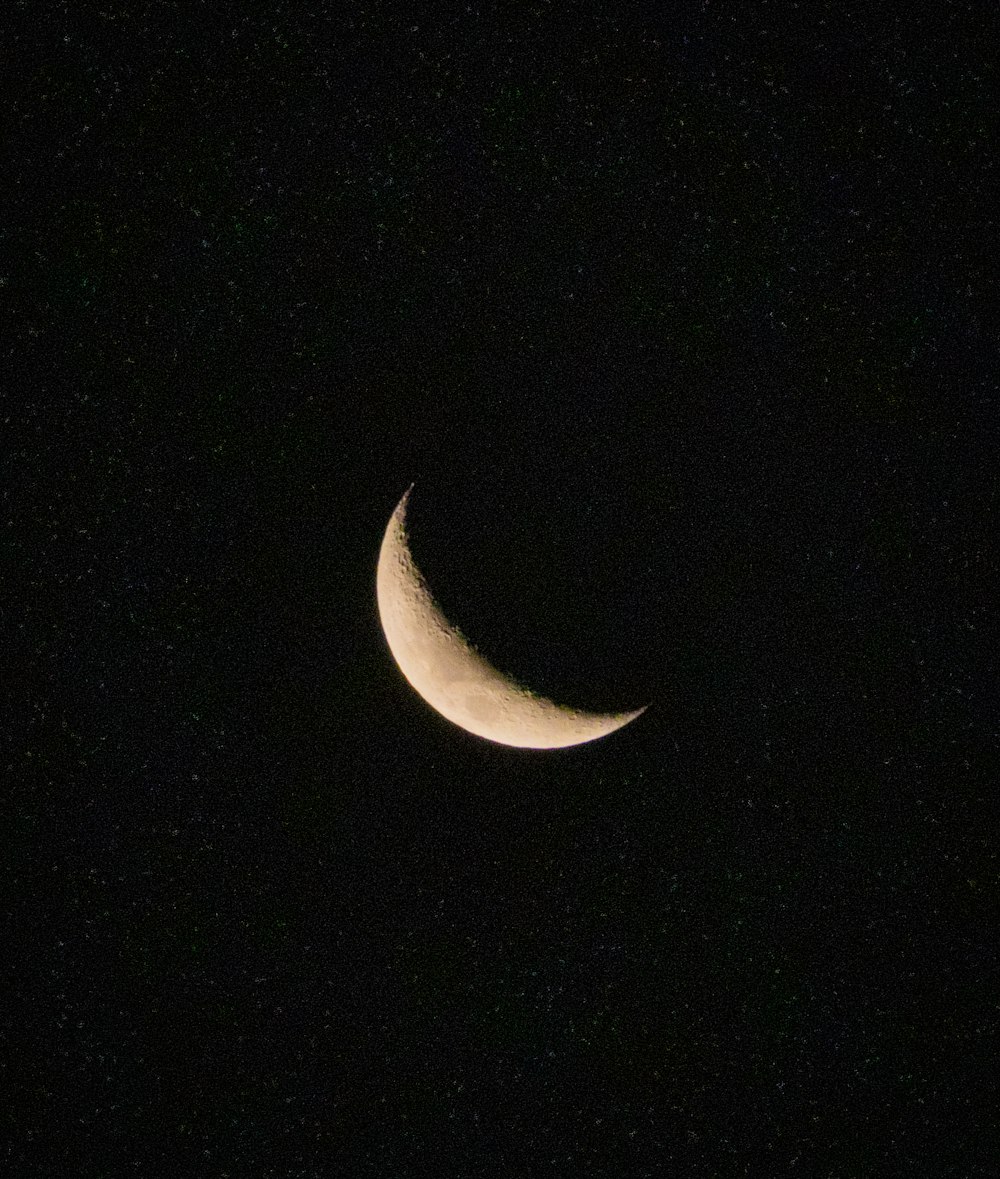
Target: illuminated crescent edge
[445, 669]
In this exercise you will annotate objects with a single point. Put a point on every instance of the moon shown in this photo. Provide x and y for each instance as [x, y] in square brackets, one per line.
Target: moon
[449, 673]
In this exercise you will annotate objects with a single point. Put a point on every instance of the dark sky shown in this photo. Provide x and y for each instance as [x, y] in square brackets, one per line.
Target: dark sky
[678, 320]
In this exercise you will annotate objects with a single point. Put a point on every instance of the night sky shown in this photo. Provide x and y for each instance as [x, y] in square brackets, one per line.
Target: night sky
[678, 320]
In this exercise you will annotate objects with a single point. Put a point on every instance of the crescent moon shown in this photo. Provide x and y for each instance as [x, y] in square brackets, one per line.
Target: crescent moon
[449, 673]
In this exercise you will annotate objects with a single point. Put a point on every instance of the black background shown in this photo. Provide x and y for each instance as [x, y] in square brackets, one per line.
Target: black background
[677, 319]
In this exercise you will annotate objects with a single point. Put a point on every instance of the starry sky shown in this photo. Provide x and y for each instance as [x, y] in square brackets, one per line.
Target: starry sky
[678, 319]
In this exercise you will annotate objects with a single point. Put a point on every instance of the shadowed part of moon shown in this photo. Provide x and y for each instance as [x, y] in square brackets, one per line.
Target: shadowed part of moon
[447, 671]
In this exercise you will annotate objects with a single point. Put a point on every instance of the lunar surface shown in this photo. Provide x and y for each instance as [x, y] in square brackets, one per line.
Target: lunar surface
[449, 673]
